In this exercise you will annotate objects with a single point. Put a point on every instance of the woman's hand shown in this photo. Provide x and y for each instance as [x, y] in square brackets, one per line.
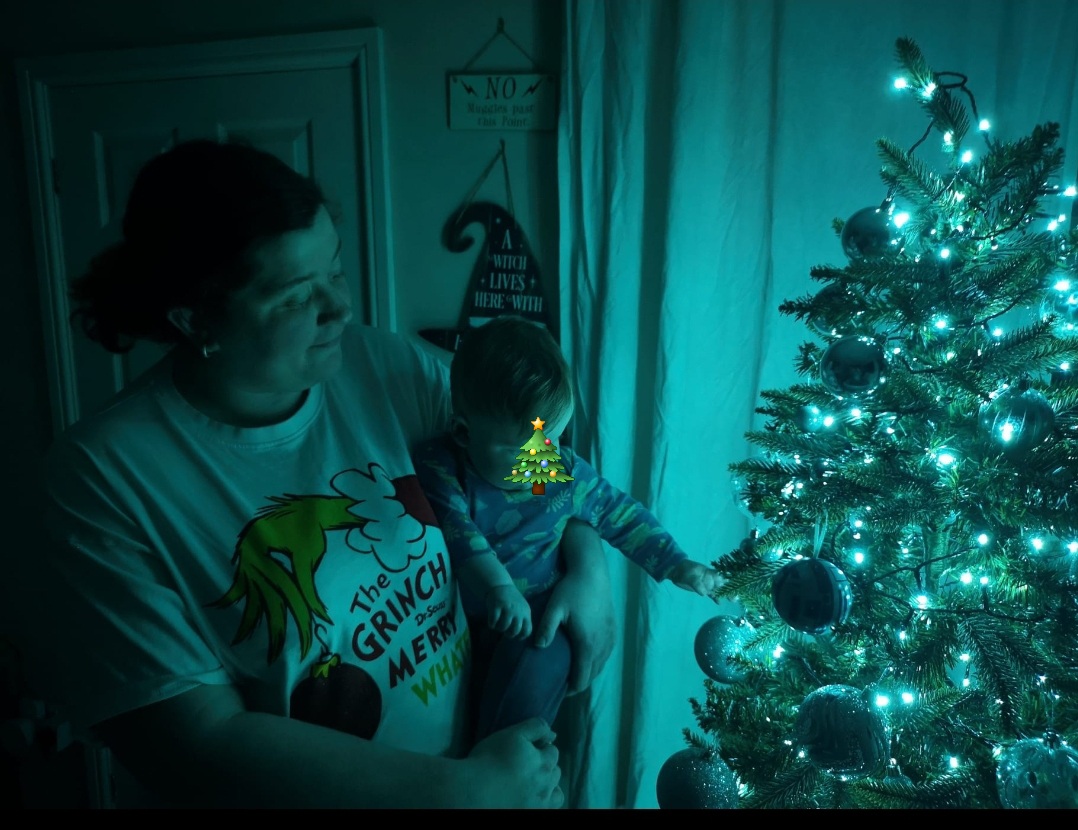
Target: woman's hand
[583, 602]
[516, 768]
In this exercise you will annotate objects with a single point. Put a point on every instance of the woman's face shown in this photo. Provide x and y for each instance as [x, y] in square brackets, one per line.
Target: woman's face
[281, 333]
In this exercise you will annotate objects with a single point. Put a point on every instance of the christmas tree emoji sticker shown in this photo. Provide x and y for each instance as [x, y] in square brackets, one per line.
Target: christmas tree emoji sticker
[538, 462]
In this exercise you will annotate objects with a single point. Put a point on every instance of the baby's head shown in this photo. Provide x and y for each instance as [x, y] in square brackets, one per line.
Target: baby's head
[505, 374]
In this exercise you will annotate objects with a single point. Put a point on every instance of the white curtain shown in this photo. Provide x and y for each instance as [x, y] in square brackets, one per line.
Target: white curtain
[705, 147]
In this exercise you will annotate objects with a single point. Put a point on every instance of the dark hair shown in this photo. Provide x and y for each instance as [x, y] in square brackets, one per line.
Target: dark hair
[507, 367]
[195, 215]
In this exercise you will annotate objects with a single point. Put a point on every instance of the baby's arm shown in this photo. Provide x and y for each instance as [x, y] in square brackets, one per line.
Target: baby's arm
[695, 577]
[507, 610]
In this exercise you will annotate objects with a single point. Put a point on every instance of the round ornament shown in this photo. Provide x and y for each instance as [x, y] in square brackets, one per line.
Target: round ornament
[1018, 420]
[1061, 302]
[840, 732]
[1038, 773]
[867, 234]
[696, 779]
[719, 638]
[811, 595]
[853, 365]
[810, 418]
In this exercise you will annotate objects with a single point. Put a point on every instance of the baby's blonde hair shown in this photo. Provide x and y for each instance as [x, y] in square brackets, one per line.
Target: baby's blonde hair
[510, 367]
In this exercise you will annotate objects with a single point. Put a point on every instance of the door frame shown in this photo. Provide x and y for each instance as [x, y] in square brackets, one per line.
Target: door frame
[357, 49]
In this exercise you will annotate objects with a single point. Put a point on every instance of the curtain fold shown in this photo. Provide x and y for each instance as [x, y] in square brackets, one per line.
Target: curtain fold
[704, 148]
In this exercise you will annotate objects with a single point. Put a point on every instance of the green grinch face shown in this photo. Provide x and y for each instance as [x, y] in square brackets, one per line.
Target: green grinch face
[495, 442]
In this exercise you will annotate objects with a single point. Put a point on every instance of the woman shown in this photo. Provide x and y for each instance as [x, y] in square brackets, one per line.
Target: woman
[249, 597]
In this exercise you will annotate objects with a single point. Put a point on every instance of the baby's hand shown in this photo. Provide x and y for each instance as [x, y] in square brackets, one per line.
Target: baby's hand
[692, 576]
[508, 612]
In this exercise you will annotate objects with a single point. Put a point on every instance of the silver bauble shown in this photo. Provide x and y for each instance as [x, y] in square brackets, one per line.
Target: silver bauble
[867, 234]
[841, 733]
[1038, 773]
[719, 638]
[696, 779]
[853, 366]
[1018, 420]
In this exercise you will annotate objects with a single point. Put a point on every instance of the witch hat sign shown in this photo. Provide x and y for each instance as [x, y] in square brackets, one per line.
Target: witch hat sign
[505, 279]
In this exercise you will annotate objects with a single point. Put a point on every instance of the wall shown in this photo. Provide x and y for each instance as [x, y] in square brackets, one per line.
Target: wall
[431, 168]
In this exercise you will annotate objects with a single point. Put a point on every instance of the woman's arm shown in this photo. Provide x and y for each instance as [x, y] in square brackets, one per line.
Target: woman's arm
[582, 602]
[203, 748]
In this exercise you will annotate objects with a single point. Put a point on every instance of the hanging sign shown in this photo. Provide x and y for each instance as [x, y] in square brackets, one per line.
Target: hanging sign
[502, 101]
[505, 278]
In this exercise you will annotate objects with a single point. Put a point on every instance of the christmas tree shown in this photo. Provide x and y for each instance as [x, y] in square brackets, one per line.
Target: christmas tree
[909, 627]
[538, 462]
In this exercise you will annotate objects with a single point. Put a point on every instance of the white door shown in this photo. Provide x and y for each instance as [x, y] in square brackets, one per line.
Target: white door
[92, 120]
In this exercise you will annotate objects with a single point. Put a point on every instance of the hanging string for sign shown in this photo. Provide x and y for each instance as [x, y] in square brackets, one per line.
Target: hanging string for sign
[498, 156]
[497, 34]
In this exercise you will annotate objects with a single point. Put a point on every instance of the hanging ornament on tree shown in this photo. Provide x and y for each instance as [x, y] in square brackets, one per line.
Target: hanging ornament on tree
[1018, 420]
[853, 365]
[1038, 773]
[811, 595]
[840, 732]
[719, 638]
[696, 779]
[867, 234]
[1061, 303]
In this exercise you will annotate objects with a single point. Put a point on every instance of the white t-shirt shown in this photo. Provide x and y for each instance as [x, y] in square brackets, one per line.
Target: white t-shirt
[300, 561]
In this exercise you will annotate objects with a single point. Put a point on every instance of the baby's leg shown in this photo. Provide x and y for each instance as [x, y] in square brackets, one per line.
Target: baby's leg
[524, 681]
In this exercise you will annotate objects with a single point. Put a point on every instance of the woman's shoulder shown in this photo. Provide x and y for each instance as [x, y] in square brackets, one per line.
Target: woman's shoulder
[111, 423]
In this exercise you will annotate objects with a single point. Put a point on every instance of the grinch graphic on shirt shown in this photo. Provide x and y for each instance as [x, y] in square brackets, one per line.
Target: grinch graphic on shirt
[402, 621]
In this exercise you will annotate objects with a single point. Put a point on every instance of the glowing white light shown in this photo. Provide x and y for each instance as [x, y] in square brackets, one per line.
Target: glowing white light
[1061, 218]
[967, 578]
[858, 523]
[896, 350]
[902, 635]
[929, 89]
[1038, 544]
[950, 356]
[984, 580]
[859, 558]
[997, 332]
[1062, 285]
[900, 219]
[1006, 431]
[945, 459]
[982, 539]
[855, 413]
[829, 420]
[922, 601]
[965, 682]
[883, 700]
[907, 697]
[984, 125]
[777, 653]
[945, 253]
[947, 137]
[1065, 365]
[1053, 225]
[1070, 191]
[967, 157]
[941, 323]
[901, 83]
[953, 762]
[958, 197]
[1072, 547]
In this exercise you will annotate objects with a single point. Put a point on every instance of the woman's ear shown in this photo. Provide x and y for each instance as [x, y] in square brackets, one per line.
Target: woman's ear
[458, 430]
[183, 319]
